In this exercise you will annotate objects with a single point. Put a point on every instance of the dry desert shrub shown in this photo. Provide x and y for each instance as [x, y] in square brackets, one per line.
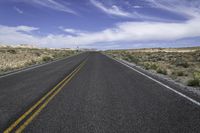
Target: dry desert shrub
[182, 64]
[15, 58]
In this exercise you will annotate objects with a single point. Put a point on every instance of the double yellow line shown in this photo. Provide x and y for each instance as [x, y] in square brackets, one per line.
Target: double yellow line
[20, 124]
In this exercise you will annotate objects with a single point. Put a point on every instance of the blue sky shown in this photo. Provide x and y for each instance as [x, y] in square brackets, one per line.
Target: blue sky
[101, 24]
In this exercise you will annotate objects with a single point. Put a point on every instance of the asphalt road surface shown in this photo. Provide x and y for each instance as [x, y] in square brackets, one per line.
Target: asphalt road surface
[91, 93]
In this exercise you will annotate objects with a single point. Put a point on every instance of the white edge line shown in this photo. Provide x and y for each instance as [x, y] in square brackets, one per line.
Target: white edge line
[166, 86]
[35, 66]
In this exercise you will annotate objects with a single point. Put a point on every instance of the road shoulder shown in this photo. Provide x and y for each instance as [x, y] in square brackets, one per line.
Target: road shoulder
[190, 92]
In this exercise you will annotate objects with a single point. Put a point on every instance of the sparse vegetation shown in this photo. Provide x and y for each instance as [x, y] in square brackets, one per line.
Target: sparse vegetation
[193, 82]
[196, 79]
[180, 73]
[15, 58]
[181, 64]
[161, 71]
[148, 66]
[47, 58]
[12, 51]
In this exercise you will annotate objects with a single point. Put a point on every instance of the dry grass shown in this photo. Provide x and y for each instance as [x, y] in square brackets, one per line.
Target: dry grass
[182, 66]
[16, 58]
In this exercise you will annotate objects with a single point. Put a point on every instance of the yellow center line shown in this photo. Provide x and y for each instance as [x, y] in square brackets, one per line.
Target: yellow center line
[63, 82]
[22, 127]
[32, 108]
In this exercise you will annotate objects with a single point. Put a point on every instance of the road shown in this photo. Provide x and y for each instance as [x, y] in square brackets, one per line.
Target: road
[95, 94]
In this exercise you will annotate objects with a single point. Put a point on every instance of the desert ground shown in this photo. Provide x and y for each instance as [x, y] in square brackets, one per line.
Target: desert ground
[12, 58]
[180, 64]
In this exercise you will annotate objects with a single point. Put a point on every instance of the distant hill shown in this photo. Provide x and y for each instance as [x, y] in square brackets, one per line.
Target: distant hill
[183, 49]
[18, 46]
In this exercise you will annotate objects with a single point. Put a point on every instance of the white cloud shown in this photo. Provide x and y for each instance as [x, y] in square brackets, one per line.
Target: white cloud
[72, 31]
[137, 6]
[114, 10]
[122, 32]
[18, 10]
[25, 28]
[143, 31]
[13, 35]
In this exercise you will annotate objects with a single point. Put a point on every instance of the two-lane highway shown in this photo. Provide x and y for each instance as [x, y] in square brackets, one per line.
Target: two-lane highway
[101, 96]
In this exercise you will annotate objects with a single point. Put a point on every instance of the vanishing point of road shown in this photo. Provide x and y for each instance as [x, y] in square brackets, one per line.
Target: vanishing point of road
[92, 93]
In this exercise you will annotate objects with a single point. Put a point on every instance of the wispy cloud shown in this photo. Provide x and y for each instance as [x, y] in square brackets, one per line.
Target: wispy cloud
[114, 10]
[52, 4]
[184, 7]
[18, 10]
